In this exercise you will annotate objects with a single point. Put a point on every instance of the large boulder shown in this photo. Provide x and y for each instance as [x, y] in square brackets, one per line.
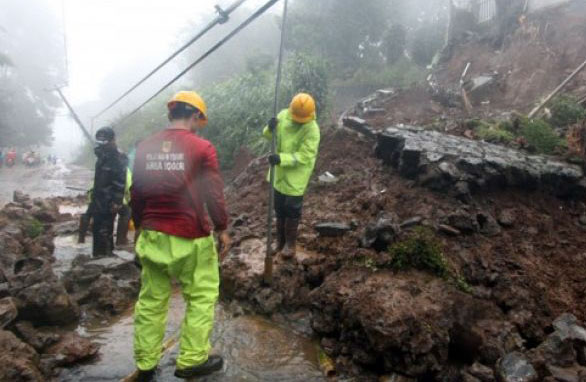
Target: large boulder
[47, 303]
[72, 348]
[403, 322]
[20, 362]
[8, 311]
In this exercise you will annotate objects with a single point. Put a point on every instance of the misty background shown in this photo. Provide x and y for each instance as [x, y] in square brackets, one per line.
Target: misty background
[95, 50]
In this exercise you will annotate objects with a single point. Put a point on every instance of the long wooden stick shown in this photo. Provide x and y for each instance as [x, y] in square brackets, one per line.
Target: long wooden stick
[557, 90]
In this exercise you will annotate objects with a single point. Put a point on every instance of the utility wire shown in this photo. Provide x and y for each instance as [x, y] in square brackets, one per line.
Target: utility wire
[223, 16]
[254, 16]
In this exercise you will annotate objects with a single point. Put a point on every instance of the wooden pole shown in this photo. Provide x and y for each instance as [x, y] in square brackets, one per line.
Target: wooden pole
[557, 90]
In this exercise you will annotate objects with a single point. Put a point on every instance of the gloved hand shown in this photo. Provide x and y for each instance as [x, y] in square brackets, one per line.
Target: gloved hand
[274, 159]
[273, 122]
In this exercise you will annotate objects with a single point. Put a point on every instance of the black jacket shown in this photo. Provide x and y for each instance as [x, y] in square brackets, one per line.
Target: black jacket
[109, 180]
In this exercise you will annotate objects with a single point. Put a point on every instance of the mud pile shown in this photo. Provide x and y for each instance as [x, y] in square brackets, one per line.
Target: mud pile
[518, 251]
[39, 310]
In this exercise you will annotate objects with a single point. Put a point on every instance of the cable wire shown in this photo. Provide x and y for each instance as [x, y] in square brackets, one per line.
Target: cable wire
[222, 18]
[243, 25]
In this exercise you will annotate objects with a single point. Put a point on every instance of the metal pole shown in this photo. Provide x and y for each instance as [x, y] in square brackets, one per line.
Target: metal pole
[75, 117]
[268, 271]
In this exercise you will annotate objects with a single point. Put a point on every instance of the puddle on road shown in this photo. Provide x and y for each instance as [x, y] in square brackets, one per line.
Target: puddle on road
[254, 349]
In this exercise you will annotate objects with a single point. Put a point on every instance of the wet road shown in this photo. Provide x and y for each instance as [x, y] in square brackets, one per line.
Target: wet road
[43, 181]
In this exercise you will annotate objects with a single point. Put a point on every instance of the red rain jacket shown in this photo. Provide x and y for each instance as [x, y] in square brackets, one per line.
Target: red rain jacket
[175, 178]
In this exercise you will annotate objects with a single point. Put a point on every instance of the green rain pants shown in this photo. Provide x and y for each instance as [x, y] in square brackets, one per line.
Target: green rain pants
[194, 262]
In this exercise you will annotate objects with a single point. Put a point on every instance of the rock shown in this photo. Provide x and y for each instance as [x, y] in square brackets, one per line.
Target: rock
[407, 320]
[448, 230]
[381, 233]
[514, 367]
[414, 152]
[8, 311]
[73, 348]
[66, 228]
[45, 214]
[327, 178]
[358, 124]
[20, 197]
[38, 340]
[582, 219]
[416, 220]
[481, 88]
[507, 218]
[482, 372]
[555, 350]
[332, 229]
[110, 295]
[567, 326]
[488, 224]
[570, 374]
[47, 303]
[20, 362]
[268, 300]
[463, 222]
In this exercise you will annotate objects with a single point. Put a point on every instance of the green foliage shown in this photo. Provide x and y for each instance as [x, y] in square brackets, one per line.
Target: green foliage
[566, 111]
[540, 135]
[239, 108]
[394, 43]
[399, 75]
[33, 228]
[493, 134]
[427, 41]
[421, 251]
[308, 74]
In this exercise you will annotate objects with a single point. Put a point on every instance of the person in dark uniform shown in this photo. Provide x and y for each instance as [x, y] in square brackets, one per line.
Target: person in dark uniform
[108, 191]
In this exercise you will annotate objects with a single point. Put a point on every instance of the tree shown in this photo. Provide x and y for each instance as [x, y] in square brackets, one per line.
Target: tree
[31, 62]
[394, 43]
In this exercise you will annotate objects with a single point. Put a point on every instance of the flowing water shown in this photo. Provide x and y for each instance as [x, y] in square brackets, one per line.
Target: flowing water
[254, 349]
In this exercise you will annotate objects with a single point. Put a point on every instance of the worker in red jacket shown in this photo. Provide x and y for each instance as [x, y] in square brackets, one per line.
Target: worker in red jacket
[175, 180]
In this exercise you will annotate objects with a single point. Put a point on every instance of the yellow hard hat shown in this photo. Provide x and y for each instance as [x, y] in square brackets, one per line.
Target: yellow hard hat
[190, 98]
[302, 108]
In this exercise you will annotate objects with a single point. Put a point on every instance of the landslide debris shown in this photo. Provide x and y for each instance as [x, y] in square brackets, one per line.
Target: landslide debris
[39, 307]
[509, 226]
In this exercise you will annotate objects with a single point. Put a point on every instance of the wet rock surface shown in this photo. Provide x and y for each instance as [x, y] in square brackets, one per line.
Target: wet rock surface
[37, 305]
[440, 162]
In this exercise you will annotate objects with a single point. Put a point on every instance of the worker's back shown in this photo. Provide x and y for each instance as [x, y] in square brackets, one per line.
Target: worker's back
[172, 180]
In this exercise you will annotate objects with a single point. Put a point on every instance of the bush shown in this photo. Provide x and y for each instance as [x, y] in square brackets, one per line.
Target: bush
[494, 134]
[423, 251]
[540, 135]
[399, 75]
[566, 111]
[420, 251]
[33, 228]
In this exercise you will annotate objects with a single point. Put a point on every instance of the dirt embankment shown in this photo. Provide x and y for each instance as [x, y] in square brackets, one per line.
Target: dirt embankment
[521, 253]
[539, 54]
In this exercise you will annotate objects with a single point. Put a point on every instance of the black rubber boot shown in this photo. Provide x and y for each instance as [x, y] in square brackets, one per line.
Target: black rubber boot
[214, 363]
[84, 223]
[280, 235]
[146, 375]
[122, 227]
[291, 226]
